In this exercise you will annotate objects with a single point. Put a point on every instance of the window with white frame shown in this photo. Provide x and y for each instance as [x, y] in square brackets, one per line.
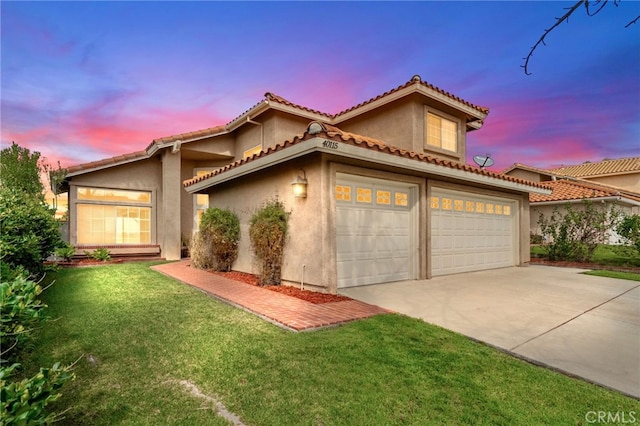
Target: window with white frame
[113, 216]
[441, 132]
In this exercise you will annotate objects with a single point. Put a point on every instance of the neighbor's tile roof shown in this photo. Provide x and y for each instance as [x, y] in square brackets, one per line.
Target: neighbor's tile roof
[336, 134]
[569, 190]
[606, 167]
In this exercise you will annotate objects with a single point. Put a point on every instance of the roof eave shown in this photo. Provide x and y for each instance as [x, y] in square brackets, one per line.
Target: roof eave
[426, 91]
[319, 144]
[615, 198]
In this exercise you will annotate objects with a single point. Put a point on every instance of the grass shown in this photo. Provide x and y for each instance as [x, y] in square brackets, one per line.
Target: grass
[604, 254]
[615, 274]
[139, 333]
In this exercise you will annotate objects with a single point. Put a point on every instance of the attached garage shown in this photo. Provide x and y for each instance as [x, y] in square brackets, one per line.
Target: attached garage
[471, 232]
[376, 231]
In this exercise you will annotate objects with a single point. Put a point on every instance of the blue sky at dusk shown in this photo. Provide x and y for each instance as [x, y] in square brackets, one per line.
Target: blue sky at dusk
[83, 81]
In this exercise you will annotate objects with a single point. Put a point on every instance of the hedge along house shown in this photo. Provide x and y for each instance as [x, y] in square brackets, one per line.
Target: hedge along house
[387, 196]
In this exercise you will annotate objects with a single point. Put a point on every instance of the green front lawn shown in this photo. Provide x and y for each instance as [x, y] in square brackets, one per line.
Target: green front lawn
[604, 254]
[615, 274]
[140, 333]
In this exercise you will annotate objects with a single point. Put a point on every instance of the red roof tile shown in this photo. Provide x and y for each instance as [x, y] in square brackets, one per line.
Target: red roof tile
[279, 99]
[334, 133]
[416, 80]
[138, 155]
[569, 190]
[211, 131]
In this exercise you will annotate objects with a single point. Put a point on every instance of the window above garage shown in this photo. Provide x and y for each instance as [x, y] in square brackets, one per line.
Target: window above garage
[441, 132]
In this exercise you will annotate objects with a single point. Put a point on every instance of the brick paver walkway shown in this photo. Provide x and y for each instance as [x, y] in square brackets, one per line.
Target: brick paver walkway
[286, 311]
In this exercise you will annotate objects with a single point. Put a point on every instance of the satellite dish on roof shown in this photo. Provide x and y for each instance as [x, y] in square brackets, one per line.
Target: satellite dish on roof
[483, 160]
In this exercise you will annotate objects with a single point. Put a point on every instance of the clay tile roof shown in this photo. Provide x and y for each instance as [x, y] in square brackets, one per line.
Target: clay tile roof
[529, 168]
[336, 134]
[190, 135]
[569, 190]
[107, 161]
[418, 81]
[279, 99]
[606, 167]
[138, 155]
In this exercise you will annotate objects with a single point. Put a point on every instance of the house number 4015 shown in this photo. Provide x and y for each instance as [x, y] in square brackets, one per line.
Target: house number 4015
[330, 144]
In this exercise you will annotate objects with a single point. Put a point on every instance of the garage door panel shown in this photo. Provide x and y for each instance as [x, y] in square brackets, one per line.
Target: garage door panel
[478, 236]
[373, 234]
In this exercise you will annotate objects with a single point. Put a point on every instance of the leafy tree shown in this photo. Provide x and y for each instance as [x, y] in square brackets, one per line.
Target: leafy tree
[592, 8]
[629, 229]
[20, 170]
[29, 231]
[574, 233]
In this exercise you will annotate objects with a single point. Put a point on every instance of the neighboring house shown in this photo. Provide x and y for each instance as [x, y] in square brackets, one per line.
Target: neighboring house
[570, 186]
[388, 196]
[623, 173]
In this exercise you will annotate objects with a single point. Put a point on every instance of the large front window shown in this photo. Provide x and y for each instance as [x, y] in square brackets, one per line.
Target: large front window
[441, 132]
[113, 216]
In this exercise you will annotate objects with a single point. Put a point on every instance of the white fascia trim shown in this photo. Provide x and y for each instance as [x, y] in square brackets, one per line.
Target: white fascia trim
[256, 110]
[350, 151]
[615, 199]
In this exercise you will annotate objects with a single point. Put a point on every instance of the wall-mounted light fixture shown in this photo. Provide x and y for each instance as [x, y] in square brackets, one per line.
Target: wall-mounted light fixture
[299, 185]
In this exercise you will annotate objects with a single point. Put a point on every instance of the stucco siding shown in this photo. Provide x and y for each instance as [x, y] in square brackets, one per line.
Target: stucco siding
[630, 182]
[143, 175]
[305, 238]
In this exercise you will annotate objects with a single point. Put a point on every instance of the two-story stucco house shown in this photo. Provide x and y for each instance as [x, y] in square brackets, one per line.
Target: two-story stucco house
[388, 196]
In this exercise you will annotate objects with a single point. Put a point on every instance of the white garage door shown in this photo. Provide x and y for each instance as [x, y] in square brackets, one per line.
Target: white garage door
[375, 231]
[470, 232]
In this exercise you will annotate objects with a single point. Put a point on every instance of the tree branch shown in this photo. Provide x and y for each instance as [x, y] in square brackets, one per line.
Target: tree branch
[559, 21]
[632, 22]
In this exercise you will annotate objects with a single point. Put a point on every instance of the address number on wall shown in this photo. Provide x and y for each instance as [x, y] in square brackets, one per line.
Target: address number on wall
[330, 144]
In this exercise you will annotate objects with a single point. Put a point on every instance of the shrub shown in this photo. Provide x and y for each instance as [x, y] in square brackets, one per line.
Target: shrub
[574, 234]
[23, 402]
[200, 251]
[29, 232]
[66, 252]
[101, 254]
[222, 228]
[629, 229]
[20, 312]
[536, 239]
[268, 231]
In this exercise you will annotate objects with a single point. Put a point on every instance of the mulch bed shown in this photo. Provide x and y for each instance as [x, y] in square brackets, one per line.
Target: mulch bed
[309, 296]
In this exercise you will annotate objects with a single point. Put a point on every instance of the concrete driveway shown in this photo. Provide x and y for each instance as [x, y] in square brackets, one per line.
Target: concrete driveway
[584, 325]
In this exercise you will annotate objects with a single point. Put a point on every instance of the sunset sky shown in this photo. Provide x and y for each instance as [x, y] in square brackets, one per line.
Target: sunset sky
[82, 81]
